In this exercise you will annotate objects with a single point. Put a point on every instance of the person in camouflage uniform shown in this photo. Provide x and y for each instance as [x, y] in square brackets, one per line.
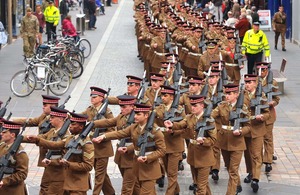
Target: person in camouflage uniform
[29, 32]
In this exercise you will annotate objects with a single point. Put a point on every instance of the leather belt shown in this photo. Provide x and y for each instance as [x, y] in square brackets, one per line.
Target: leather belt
[231, 64]
[186, 49]
[137, 152]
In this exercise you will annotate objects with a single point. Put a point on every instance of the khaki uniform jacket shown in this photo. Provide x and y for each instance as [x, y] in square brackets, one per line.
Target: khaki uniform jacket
[204, 62]
[258, 128]
[198, 155]
[123, 160]
[279, 22]
[226, 140]
[29, 26]
[276, 99]
[14, 183]
[150, 95]
[174, 141]
[77, 173]
[149, 170]
[104, 149]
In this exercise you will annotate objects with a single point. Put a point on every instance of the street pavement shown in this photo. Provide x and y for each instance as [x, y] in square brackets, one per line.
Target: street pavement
[114, 57]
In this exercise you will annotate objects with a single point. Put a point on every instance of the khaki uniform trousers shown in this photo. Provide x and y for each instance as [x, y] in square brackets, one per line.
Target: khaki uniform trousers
[247, 155]
[282, 34]
[29, 42]
[217, 155]
[102, 181]
[171, 161]
[233, 160]
[268, 145]
[201, 179]
[147, 187]
[51, 188]
[256, 155]
[130, 185]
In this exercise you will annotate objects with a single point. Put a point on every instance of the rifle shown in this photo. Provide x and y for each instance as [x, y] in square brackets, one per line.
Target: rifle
[167, 83]
[201, 126]
[238, 53]
[61, 133]
[217, 99]
[204, 91]
[236, 115]
[257, 101]
[3, 109]
[141, 93]
[224, 76]
[170, 115]
[202, 44]
[129, 122]
[6, 160]
[268, 90]
[73, 145]
[168, 45]
[142, 142]
[101, 114]
[46, 125]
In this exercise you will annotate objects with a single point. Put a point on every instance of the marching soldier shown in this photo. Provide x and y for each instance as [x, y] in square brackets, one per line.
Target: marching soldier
[124, 154]
[78, 166]
[103, 150]
[156, 81]
[54, 174]
[231, 141]
[146, 166]
[200, 152]
[173, 139]
[268, 155]
[258, 128]
[13, 183]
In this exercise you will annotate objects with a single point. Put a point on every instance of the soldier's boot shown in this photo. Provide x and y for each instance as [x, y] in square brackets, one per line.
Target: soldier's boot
[274, 157]
[180, 166]
[268, 168]
[254, 185]
[239, 189]
[161, 182]
[215, 175]
[193, 186]
[248, 178]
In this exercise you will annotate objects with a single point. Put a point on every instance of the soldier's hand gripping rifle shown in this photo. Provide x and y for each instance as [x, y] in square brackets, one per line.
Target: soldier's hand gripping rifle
[257, 101]
[142, 90]
[171, 115]
[268, 90]
[238, 53]
[3, 109]
[6, 160]
[202, 126]
[73, 145]
[219, 98]
[236, 115]
[46, 125]
[142, 142]
[61, 133]
[100, 115]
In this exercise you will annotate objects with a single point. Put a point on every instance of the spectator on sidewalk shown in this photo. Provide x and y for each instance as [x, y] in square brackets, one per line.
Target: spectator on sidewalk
[218, 10]
[231, 21]
[254, 15]
[68, 28]
[3, 35]
[41, 18]
[100, 6]
[242, 26]
[51, 14]
[29, 32]
[236, 9]
[92, 13]
[279, 27]
[63, 9]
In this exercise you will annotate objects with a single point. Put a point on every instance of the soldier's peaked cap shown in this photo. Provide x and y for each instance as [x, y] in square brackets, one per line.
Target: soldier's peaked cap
[250, 77]
[141, 108]
[80, 118]
[262, 65]
[133, 79]
[167, 89]
[96, 91]
[59, 112]
[195, 79]
[10, 125]
[47, 99]
[156, 76]
[231, 88]
[194, 99]
[126, 99]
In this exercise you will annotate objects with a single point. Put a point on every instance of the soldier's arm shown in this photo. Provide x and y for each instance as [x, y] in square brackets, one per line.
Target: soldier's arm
[32, 122]
[111, 122]
[113, 100]
[212, 138]
[215, 113]
[159, 145]
[201, 68]
[52, 145]
[246, 125]
[21, 170]
[87, 161]
[118, 134]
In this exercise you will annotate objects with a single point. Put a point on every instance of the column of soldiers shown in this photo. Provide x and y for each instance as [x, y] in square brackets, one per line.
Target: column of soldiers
[219, 113]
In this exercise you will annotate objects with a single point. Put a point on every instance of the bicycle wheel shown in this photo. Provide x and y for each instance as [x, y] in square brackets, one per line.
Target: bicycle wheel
[76, 55]
[59, 81]
[23, 83]
[85, 47]
[75, 68]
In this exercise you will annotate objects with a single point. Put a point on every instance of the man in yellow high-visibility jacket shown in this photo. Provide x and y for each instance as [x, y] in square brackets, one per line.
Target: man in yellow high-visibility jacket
[255, 42]
[52, 16]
